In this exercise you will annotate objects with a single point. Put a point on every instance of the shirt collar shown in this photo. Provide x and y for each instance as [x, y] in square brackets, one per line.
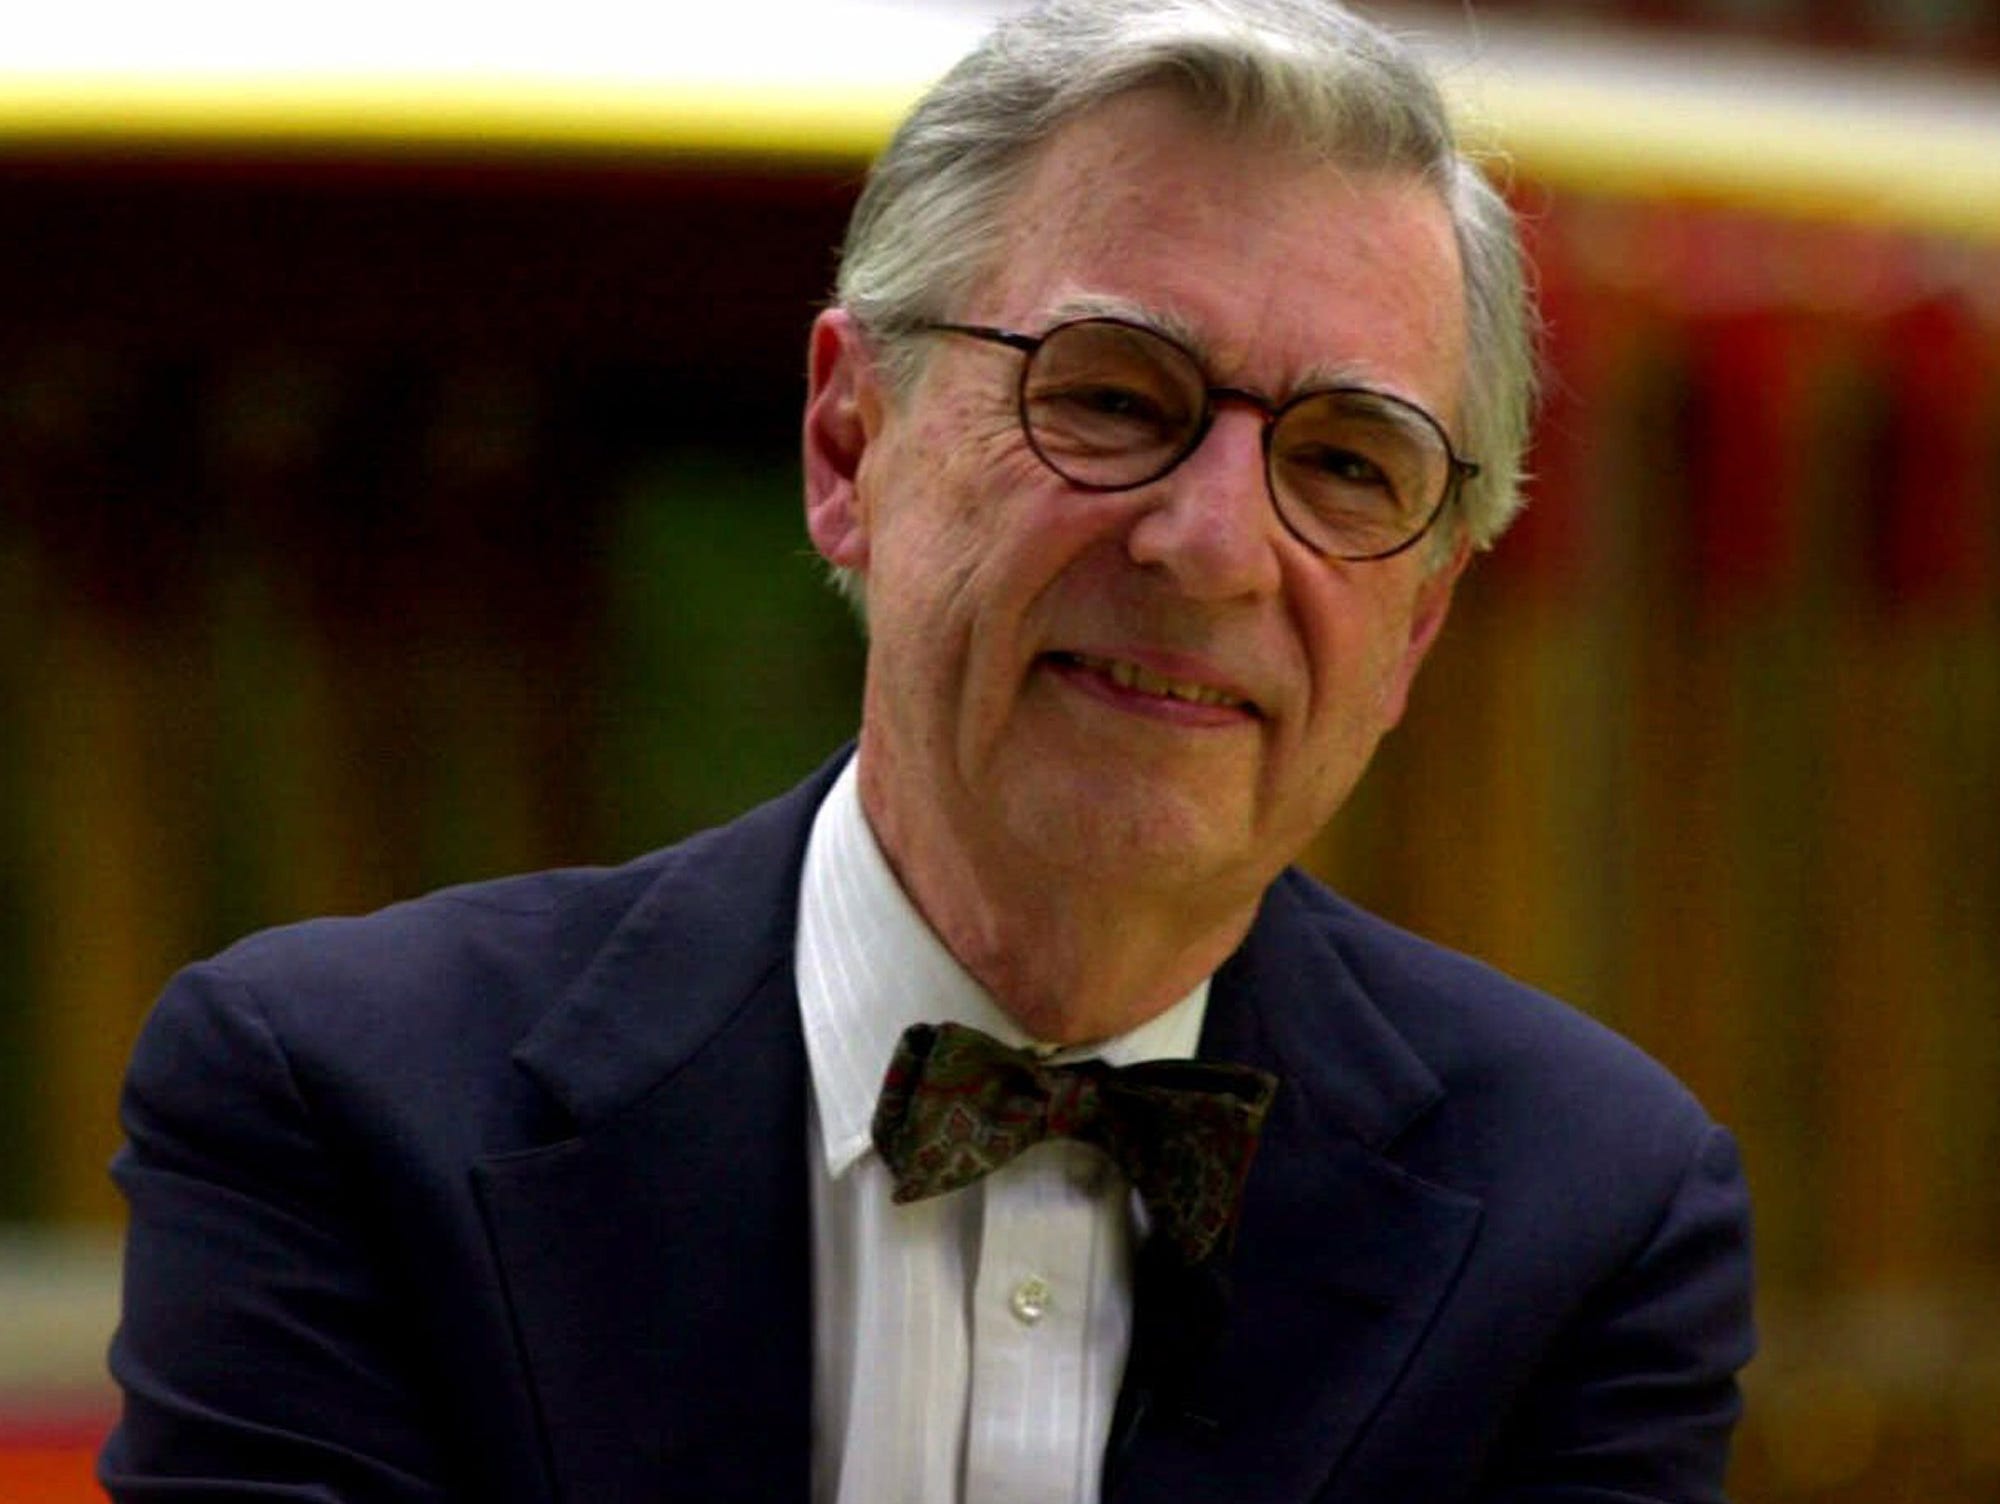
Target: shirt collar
[869, 967]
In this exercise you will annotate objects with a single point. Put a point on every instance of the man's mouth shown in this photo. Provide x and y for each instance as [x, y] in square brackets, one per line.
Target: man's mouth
[1141, 680]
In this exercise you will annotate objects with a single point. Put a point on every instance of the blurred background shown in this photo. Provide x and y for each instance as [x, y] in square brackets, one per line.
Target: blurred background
[398, 486]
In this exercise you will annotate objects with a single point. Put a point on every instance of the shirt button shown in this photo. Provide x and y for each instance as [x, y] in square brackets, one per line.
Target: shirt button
[1030, 1299]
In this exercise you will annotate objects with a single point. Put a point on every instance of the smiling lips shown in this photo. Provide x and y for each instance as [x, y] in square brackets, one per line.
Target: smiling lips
[1140, 680]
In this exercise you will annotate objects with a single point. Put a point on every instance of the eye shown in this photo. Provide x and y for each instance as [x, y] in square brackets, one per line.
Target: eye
[1106, 400]
[1346, 466]
[1091, 416]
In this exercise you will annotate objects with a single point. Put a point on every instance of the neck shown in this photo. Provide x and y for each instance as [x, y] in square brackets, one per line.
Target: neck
[1072, 956]
[1073, 976]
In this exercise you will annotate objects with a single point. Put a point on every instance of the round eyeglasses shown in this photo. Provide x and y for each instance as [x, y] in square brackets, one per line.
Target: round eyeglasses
[1111, 405]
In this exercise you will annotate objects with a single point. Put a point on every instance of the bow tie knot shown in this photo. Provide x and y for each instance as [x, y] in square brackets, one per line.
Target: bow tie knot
[957, 1104]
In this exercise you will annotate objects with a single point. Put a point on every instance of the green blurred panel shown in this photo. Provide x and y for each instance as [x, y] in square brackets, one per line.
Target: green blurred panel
[730, 667]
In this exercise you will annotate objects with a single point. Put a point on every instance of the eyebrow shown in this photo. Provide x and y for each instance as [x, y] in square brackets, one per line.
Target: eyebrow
[1105, 306]
[1181, 332]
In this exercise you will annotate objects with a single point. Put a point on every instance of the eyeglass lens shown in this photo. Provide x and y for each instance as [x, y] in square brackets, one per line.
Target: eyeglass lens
[1109, 405]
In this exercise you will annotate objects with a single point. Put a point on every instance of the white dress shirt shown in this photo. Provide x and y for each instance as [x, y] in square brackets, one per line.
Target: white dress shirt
[967, 1347]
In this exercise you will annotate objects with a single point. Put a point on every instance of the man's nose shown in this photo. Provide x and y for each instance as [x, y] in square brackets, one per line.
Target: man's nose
[1209, 523]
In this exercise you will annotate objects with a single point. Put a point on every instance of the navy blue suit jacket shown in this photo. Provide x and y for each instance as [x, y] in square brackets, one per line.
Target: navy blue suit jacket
[500, 1197]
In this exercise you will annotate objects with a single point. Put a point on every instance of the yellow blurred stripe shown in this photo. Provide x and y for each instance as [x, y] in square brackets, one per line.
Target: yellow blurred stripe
[1778, 149]
[421, 115]
[1926, 171]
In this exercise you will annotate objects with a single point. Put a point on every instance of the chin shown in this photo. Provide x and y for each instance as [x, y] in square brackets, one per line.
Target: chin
[1132, 835]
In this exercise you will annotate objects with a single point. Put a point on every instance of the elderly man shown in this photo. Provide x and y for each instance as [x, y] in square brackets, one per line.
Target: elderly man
[1177, 367]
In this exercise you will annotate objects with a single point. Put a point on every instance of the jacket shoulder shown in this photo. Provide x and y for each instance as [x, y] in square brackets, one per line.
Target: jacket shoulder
[1506, 1052]
[469, 970]
[496, 950]
[1457, 1010]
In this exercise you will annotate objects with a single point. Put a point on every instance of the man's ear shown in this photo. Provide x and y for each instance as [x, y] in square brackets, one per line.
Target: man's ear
[844, 405]
[1433, 604]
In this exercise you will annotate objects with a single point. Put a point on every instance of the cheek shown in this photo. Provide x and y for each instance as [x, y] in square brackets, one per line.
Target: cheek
[990, 531]
[939, 482]
[1356, 641]
[938, 553]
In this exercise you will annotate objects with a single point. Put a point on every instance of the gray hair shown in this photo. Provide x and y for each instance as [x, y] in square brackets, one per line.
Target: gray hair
[1308, 73]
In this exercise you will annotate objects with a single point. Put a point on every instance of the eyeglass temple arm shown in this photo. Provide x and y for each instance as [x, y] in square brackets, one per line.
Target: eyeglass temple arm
[1027, 344]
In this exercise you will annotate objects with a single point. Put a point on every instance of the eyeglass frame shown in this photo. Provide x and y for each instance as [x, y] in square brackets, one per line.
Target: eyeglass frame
[1458, 469]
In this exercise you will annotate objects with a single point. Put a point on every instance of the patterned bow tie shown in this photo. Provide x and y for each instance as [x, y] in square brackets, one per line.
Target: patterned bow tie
[957, 1104]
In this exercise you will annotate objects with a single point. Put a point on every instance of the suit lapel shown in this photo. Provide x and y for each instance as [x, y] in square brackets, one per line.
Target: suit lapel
[1342, 1258]
[657, 1260]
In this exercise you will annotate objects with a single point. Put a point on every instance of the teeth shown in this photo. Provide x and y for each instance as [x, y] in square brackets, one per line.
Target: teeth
[1145, 681]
